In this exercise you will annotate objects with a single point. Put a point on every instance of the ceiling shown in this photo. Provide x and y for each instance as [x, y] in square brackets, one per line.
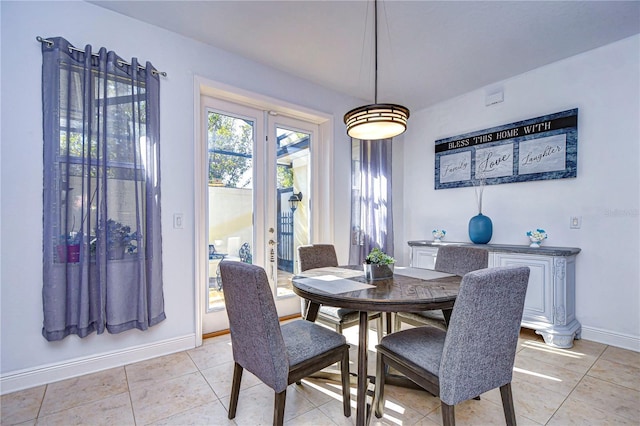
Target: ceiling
[428, 51]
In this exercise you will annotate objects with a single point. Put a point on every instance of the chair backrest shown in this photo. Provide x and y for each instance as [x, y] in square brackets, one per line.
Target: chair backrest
[480, 346]
[460, 260]
[317, 256]
[256, 338]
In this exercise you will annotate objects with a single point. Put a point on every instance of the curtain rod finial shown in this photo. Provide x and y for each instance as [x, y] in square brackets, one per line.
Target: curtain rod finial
[44, 40]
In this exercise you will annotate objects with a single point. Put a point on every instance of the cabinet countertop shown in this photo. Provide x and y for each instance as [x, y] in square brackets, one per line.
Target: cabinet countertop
[504, 248]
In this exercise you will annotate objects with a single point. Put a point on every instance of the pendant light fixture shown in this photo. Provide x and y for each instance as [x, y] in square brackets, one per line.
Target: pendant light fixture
[376, 121]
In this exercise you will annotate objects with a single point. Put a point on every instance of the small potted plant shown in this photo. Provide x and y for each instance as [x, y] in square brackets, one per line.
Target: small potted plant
[438, 235]
[69, 247]
[378, 265]
[536, 237]
[119, 238]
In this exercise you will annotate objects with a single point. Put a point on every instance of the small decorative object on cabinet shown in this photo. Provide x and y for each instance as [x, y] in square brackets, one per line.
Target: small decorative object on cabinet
[438, 235]
[536, 237]
[550, 304]
[480, 229]
[480, 226]
[378, 265]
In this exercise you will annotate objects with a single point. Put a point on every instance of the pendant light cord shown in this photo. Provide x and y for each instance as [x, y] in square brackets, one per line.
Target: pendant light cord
[375, 44]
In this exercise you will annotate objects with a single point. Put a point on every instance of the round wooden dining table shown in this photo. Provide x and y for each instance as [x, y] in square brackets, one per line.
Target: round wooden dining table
[409, 290]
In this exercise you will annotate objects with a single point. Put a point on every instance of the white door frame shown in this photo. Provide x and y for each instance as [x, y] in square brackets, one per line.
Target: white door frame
[322, 169]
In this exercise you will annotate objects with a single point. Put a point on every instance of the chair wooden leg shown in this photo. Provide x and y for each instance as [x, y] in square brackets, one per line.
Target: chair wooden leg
[447, 316]
[378, 394]
[507, 404]
[448, 415]
[380, 326]
[389, 322]
[278, 408]
[397, 323]
[346, 393]
[235, 390]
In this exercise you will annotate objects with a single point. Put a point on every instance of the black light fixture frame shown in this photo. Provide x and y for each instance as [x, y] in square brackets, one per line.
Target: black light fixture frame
[294, 200]
[377, 113]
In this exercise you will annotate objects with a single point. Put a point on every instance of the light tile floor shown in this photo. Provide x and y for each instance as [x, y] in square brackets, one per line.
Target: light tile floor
[589, 384]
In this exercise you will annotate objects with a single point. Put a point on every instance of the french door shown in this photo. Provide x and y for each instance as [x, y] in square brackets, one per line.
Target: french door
[257, 199]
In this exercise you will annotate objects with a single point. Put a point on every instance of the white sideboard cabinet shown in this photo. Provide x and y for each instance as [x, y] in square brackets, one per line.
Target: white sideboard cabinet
[549, 306]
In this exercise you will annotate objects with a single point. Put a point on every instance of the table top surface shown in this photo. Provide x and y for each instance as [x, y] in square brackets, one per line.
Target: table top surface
[409, 289]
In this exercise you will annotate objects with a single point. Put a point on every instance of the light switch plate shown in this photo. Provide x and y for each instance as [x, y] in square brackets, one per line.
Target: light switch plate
[178, 220]
[575, 222]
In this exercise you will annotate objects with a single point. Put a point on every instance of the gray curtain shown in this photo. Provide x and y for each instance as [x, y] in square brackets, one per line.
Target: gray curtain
[371, 199]
[102, 247]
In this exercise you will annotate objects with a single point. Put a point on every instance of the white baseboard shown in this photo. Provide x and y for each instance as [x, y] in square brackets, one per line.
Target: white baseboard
[608, 337]
[24, 379]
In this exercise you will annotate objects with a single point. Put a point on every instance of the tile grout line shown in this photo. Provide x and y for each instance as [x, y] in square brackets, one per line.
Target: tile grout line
[42, 401]
[208, 384]
[126, 378]
[566, 398]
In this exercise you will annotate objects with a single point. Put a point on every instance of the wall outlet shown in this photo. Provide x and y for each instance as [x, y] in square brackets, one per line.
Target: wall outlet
[575, 222]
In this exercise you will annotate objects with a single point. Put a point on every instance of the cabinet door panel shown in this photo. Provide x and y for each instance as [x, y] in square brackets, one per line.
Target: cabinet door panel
[538, 304]
[424, 258]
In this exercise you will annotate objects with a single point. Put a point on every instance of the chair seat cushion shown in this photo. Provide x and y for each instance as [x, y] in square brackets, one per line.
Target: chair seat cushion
[338, 314]
[431, 315]
[434, 318]
[421, 346]
[305, 340]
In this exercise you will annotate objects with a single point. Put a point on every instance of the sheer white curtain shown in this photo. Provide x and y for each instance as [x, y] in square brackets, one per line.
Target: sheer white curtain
[371, 199]
[102, 254]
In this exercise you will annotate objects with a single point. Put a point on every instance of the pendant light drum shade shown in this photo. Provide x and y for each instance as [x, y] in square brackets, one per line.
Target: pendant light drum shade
[376, 121]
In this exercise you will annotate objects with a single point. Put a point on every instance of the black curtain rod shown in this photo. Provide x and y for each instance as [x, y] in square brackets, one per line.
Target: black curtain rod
[121, 62]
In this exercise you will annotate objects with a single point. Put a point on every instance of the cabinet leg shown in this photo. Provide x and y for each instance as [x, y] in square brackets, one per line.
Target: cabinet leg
[563, 341]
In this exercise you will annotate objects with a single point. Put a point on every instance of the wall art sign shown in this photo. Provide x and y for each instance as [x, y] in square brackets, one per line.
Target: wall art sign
[536, 149]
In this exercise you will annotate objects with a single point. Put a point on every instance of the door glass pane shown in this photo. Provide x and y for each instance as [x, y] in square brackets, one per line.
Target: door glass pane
[293, 201]
[230, 196]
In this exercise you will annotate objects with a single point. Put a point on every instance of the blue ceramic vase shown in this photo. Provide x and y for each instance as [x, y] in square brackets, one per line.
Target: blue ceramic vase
[480, 229]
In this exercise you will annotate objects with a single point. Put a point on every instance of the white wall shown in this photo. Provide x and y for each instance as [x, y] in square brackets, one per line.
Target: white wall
[26, 356]
[605, 85]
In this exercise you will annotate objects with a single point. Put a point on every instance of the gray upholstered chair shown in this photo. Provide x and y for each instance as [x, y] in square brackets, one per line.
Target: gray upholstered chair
[317, 256]
[452, 259]
[476, 353]
[277, 355]
[321, 256]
